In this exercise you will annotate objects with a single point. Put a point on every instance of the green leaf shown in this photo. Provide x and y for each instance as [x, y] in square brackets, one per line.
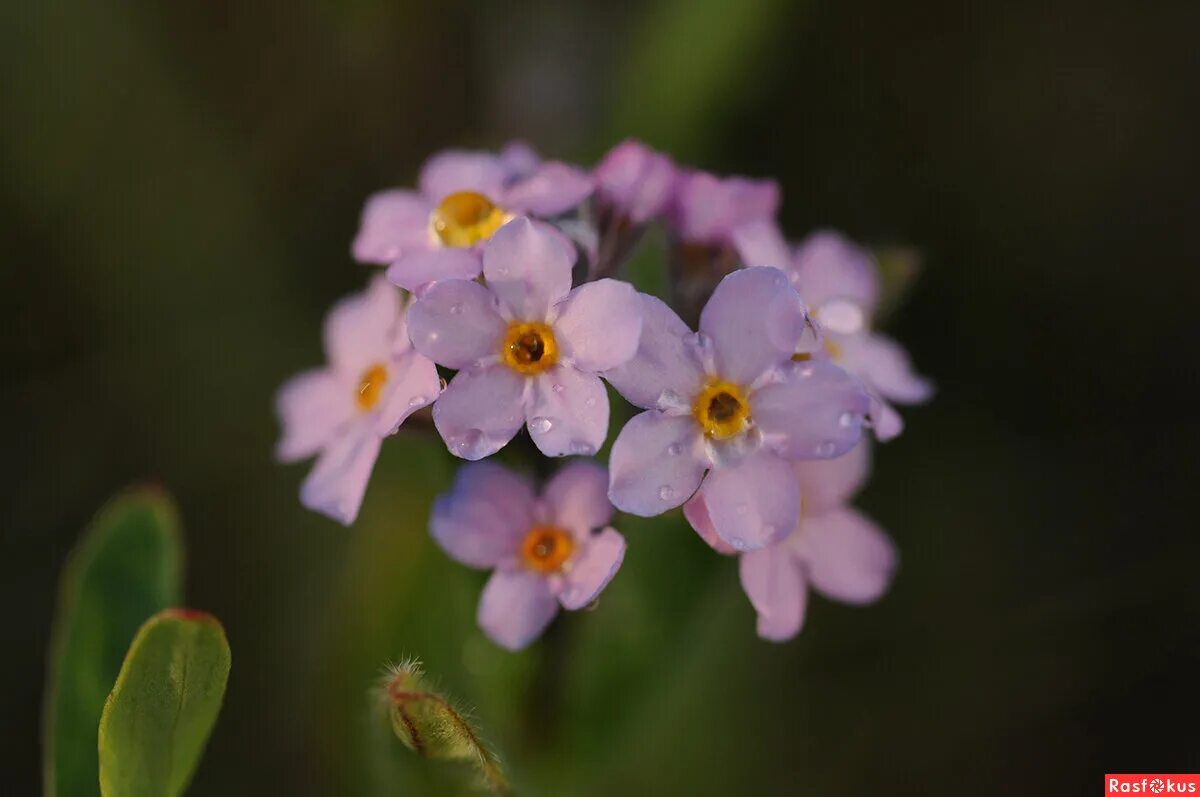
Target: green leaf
[899, 267]
[429, 724]
[126, 567]
[164, 705]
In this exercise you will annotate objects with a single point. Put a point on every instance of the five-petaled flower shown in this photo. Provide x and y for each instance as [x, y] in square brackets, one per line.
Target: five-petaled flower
[835, 549]
[547, 551]
[464, 197]
[526, 346]
[374, 380]
[730, 402]
[840, 282]
[707, 209]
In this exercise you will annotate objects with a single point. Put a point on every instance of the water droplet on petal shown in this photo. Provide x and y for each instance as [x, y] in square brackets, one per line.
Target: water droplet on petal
[417, 401]
[557, 387]
[455, 309]
[738, 543]
[591, 402]
[540, 425]
[768, 531]
[806, 371]
[582, 449]
[674, 449]
[467, 443]
[846, 420]
[666, 492]
[826, 449]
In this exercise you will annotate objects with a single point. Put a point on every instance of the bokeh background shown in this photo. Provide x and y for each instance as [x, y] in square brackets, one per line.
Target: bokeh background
[180, 183]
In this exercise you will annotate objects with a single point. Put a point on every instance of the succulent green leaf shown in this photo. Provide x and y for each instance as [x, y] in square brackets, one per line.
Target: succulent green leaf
[164, 705]
[126, 567]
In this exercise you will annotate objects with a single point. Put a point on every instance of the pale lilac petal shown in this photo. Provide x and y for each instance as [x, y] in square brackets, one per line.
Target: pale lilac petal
[456, 324]
[884, 365]
[359, 329]
[656, 463]
[708, 209]
[311, 406]
[576, 498]
[393, 222]
[696, 512]
[336, 484]
[755, 319]
[515, 607]
[636, 180]
[592, 568]
[413, 383]
[528, 268]
[459, 170]
[828, 483]
[886, 423]
[816, 413]
[664, 361]
[827, 265]
[484, 517]
[599, 324]
[519, 159]
[846, 556]
[480, 411]
[760, 243]
[755, 504]
[567, 412]
[776, 589]
[552, 189]
[414, 269]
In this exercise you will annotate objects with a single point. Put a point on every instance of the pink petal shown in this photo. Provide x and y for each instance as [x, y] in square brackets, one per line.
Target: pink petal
[414, 269]
[480, 411]
[663, 361]
[846, 556]
[452, 171]
[656, 463]
[708, 209]
[519, 159]
[775, 587]
[311, 406]
[336, 484]
[592, 568]
[884, 365]
[886, 423]
[636, 179]
[392, 222]
[576, 497]
[515, 607]
[760, 243]
[755, 319]
[829, 266]
[696, 512]
[528, 268]
[828, 483]
[456, 324]
[567, 412]
[816, 413]
[599, 324]
[754, 504]
[553, 189]
[484, 517]
[359, 330]
[413, 383]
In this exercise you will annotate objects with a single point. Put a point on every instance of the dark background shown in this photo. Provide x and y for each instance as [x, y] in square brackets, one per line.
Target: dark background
[180, 183]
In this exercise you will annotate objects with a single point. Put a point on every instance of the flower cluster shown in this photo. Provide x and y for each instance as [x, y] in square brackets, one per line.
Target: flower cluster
[503, 271]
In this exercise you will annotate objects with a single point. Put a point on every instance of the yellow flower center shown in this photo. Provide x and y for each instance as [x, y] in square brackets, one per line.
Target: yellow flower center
[529, 347]
[547, 548]
[465, 218]
[721, 409]
[370, 386]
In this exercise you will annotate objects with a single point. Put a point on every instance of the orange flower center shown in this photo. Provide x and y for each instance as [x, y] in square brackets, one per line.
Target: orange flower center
[370, 386]
[547, 548]
[721, 409]
[529, 347]
[465, 218]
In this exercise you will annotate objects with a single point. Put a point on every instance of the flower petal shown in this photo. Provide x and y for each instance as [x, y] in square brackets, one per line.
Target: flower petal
[827, 265]
[519, 159]
[816, 413]
[455, 323]
[413, 383]
[755, 504]
[483, 518]
[414, 269]
[393, 222]
[567, 412]
[656, 463]
[528, 267]
[884, 365]
[826, 484]
[599, 324]
[359, 330]
[776, 589]
[553, 188]
[592, 569]
[576, 497]
[708, 208]
[664, 362]
[336, 484]
[455, 170]
[311, 406]
[636, 180]
[696, 512]
[886, 423]
[515, 607]
[760, 243]
[480, 411]
[846, 556]
[755, 319]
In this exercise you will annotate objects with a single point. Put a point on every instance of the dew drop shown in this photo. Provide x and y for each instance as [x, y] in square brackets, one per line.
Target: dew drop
[468, 442]
[806, 371]
[455, 309]
[557, 387]
[738, 543]
[540, 425]
[674, 449]
[846, 420]
[590, 402]
[417, 401]
[666, 492]
[826, 449]
[582, 449]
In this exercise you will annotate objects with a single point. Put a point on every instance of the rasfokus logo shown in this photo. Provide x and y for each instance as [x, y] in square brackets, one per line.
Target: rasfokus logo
[1151, 784]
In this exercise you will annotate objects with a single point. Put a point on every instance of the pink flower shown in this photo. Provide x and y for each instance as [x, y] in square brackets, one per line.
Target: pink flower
[526, 346]
[709, 210]
[545, 552]
[840, 282]
[342, 412]
[635, 181]
[731, 403]
[463, 198]
[834, 549]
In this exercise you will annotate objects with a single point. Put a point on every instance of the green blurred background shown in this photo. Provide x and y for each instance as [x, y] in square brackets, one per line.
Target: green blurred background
[180, 185]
